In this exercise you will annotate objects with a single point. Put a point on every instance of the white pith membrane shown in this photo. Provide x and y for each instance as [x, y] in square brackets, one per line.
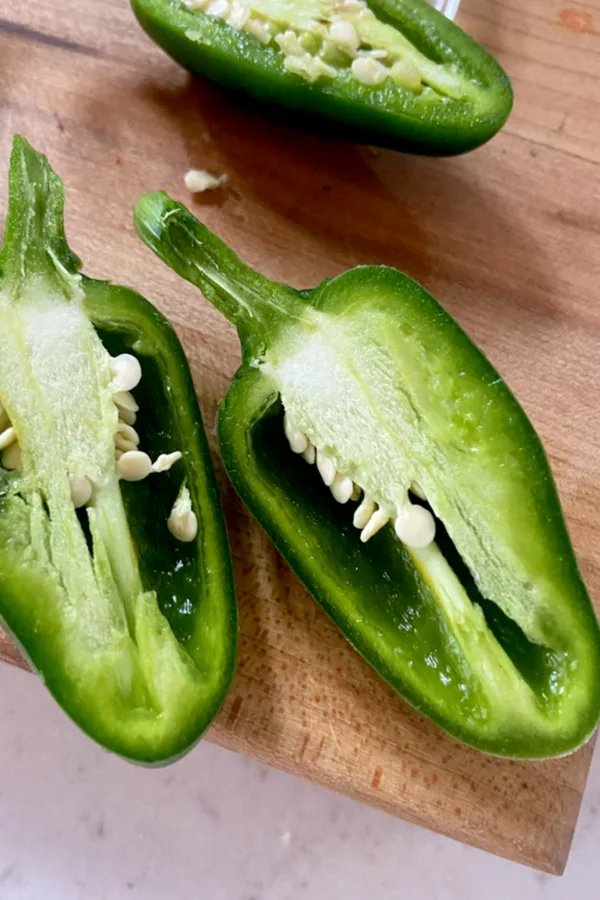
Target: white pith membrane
[67, 437]
[321, 38]
[132, 464]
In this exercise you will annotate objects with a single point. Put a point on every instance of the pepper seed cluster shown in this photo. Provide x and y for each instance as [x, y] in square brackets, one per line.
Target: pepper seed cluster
[414, 525]
[331, 43]
[132, 463]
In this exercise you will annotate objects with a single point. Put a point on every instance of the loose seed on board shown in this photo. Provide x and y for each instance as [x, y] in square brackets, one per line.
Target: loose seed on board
[198, 180]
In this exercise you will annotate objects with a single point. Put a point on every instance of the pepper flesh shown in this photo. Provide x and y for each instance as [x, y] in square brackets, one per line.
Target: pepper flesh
[441, 93]
[133, 632]
[488, 630]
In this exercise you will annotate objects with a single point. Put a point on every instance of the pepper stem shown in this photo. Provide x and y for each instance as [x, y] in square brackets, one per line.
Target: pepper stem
[34, 240]
[257, 306]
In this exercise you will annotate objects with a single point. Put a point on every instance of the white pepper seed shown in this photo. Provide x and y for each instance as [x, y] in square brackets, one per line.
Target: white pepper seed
[127, 417]
[81, 489]
[199, 180]
[11, 457]
[326, 468]
[369, 71]
[165, 461]
[406, 74]
[7, 437]
[183, 523]
[298, 441]
[308, 67]
[418, 490]
[125, 400]
[342, 488]
[126, 371]
[259, 29]
[134, 465]
[363, 512]
[377, 53]
[344, 34]
[219, 8]
[128, 433]
[310, 454]
[121, 443]
[375, 524]
[289, 42]
[415, 526]
[238, 16]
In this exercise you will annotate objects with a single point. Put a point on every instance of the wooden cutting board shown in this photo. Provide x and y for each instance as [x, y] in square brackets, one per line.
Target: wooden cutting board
[507, 238]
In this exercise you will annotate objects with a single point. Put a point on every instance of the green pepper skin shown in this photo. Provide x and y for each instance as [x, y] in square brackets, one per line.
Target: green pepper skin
[183, 647]
[385, 116]
[512, 680]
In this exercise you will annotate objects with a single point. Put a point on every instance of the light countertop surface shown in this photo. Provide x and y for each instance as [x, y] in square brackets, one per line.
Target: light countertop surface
[78, 824]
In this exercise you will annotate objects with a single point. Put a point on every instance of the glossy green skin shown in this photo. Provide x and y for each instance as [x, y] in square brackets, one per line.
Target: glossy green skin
[384, 602]
[193, 581]
[387, 116]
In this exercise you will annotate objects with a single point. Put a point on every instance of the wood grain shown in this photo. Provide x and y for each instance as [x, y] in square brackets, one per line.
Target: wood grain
[507, 238]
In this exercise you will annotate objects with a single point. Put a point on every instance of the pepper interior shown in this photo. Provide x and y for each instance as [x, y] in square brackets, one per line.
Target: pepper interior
[319, 40]
[390, 572]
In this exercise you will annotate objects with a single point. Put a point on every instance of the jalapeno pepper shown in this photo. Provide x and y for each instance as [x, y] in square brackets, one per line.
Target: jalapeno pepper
[115, 573]
[391, 72]
[399, 477]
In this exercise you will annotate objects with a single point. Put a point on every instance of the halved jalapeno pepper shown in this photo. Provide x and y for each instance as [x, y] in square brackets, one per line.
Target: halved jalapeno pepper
[115, 573]
[390, 72]
[400, 478]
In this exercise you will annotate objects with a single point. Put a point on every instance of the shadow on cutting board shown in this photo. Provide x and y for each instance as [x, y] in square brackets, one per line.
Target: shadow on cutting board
[350, 204]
